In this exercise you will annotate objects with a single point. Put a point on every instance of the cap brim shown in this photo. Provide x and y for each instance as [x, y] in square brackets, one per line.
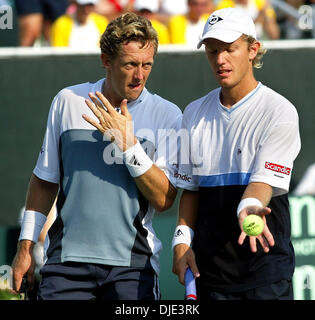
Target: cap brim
[227, 36]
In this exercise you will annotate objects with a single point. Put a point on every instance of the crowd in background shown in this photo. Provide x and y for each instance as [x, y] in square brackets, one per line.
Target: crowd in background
[79, 23]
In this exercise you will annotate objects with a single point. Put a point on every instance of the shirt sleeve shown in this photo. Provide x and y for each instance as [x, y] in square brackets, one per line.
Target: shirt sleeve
[274, 159]
[185, 174]
[47, 166]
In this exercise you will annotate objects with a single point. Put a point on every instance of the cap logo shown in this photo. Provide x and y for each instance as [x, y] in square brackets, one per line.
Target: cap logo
[214, 19]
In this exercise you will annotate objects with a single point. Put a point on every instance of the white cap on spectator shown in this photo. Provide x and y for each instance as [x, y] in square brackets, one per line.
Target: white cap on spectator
[151, 5]
[85, 2]
[228, 25]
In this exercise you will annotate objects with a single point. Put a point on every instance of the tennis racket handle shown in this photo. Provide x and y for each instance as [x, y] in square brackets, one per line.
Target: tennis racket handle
[190, 286]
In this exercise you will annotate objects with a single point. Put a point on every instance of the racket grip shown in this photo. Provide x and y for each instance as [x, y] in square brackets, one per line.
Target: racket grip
[190, 286]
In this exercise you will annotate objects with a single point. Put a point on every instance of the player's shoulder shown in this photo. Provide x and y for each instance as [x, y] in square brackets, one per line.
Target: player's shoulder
[163, 105]
[196, 106]
[70, 96]
[280, 104]
[81, 89]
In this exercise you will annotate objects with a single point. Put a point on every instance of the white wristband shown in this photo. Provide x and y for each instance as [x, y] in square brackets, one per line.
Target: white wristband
[183, 234]
[248, 202]
[136, 160]
[32, 225]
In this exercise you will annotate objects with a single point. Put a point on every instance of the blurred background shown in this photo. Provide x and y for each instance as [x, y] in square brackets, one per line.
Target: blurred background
[46, 45]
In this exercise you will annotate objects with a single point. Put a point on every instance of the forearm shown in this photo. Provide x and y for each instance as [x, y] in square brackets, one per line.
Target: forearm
[188, 208]
[260, 191]
[156, 188]
[183, 255]
[40, 198]
[50, 220]
[271, 29]
[40, 195]
[270, 24]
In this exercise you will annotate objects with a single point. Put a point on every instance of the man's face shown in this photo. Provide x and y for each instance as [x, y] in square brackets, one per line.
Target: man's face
[231, 63]
[83, 11]
[128, 73]
[197, 8]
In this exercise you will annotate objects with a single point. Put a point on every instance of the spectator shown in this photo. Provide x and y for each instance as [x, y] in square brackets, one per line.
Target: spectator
[186, 29]
[169, 8]
[261, 12]
[148, 9]
[173, 7]
[111, 9]
[80, 29]
[37, 16]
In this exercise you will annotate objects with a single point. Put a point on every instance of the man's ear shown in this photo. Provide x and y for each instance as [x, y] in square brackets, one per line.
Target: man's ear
[253, 50]
[105, 60]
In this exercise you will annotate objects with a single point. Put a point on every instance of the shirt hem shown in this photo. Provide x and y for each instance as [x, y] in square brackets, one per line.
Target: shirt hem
[45, 176]
[282, 187]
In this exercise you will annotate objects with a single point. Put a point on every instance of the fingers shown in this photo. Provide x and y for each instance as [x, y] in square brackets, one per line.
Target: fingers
[94, 123]
[194, 268]
[184, 257]
[242, 237]
[104, 115]
[17, 281]
[124, 109]
[263, 212]
[252, 244]
[105, 102]
[264, 243]
[268, 236]
[96, 107]
[265, 239]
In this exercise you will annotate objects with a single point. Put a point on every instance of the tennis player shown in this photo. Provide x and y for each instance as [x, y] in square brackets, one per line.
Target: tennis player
[244, 138]
[102, 244]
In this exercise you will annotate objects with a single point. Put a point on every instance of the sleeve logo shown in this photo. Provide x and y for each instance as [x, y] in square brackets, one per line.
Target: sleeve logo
[277, 168]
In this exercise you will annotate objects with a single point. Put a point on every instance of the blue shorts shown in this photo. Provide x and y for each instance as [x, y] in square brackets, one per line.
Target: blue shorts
[51, 9]
[88, 281]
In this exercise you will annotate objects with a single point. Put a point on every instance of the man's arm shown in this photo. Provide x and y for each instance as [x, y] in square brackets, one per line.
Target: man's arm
[184, 256]
[40, 197]
[156, 188]
[153, 183]
[263, 193]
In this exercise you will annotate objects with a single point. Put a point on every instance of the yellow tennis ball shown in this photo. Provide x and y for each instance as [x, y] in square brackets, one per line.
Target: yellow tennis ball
[253, 225]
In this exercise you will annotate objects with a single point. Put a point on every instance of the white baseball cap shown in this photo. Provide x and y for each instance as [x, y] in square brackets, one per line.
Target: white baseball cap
[151, 5]
[85, 2]
[228, 25]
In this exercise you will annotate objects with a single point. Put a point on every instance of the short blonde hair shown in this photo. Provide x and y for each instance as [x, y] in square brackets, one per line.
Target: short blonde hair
[257, 63]
[128, 27]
